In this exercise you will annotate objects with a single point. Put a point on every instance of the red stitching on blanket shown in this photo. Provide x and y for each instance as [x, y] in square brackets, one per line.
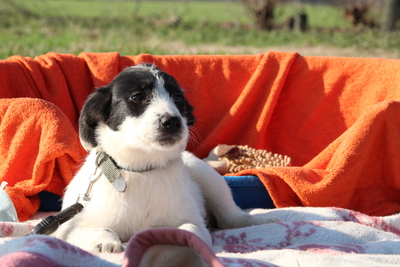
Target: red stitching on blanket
[375, 222]
[238, 244]
[332, 249]
[57, 244]
[6, 229]
[297, 229]
[29, 259]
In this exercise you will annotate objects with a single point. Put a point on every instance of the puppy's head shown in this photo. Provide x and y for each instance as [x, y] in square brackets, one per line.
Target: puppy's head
[143, 108]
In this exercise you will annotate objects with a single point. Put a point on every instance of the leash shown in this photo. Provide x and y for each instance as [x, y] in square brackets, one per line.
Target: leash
[51, 223]
[104, 165]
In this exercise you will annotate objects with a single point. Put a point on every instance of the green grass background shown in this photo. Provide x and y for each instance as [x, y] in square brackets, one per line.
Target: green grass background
[133, 27]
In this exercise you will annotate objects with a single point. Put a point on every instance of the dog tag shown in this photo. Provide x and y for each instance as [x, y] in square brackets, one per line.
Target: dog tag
[119, 184]
[111, 171]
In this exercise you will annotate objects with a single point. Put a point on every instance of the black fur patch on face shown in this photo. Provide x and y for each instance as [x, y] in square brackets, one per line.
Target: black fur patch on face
[176, 93]
[128, 94]
[132, 91]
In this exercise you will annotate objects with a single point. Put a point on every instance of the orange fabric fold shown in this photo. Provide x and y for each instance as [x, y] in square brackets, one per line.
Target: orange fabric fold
[39, 149]
[359, 170]
[303, 107]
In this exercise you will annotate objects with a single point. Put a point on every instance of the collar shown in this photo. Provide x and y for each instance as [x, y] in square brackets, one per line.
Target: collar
[104, 158]
[112, 170]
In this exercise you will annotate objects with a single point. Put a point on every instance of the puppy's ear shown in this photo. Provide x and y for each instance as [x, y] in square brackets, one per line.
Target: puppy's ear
[95, 110]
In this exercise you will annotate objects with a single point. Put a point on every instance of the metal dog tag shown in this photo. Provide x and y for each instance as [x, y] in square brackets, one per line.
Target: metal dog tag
[119, 184]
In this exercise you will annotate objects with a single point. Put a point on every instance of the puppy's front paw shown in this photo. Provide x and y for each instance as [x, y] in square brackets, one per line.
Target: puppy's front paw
[91, 238]
[113, 247]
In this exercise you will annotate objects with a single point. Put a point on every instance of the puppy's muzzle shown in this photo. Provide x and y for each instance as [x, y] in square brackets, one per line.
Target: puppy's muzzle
[170, 124]
[170, 130]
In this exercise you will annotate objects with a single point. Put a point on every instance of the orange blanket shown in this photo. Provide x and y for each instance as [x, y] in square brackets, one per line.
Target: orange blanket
[320, 111]
[39, 150]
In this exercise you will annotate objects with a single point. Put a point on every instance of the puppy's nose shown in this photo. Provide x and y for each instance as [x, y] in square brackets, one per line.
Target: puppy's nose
[171, 123]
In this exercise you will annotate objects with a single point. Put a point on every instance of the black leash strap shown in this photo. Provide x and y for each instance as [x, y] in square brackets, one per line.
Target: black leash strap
[108, 167]
[51, 223]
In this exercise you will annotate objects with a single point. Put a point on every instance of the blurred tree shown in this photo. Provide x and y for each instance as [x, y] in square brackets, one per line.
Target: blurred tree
[391, 15]
[262, 12]
[356, 11]
[136, 8]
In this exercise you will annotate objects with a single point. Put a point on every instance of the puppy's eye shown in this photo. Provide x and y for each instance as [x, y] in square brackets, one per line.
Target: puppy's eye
[177, 98]
[138, 98]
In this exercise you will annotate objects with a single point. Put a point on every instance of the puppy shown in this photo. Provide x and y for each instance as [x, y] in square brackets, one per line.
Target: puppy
[139, 126]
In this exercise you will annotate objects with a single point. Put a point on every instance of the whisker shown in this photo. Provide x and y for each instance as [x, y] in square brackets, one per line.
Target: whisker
[194, 137]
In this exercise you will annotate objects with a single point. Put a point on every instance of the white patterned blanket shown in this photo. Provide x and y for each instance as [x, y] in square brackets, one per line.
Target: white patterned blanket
[304, 237]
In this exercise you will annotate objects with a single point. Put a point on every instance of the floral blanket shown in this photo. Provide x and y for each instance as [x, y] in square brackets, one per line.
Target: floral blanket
[304, 236]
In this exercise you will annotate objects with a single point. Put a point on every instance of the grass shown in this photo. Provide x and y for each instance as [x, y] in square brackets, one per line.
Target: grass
[215, 11]
[152, 27]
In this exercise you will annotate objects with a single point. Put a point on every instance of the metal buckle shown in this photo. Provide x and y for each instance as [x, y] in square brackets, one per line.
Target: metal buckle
[92, 179]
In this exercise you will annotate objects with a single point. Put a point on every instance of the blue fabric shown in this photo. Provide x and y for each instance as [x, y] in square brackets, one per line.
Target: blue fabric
[249, 192]
[49, 201]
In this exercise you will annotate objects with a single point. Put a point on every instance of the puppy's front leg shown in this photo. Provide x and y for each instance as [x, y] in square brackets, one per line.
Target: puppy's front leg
[218, 196]
[91, 238]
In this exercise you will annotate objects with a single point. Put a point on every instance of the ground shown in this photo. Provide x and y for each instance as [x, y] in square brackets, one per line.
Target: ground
[304, 51]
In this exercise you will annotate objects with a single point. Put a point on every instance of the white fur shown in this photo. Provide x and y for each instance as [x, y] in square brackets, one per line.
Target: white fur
[173, 195]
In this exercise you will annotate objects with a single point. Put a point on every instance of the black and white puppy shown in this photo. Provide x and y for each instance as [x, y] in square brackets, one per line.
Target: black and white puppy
[140, 122]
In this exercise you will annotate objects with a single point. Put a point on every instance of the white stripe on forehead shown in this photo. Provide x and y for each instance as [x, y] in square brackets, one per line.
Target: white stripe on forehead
[150, 67]
[159, 86]
[162, 100]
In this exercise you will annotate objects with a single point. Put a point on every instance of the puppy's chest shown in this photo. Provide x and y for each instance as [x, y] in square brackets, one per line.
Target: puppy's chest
[152, 199]
[144, 191]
